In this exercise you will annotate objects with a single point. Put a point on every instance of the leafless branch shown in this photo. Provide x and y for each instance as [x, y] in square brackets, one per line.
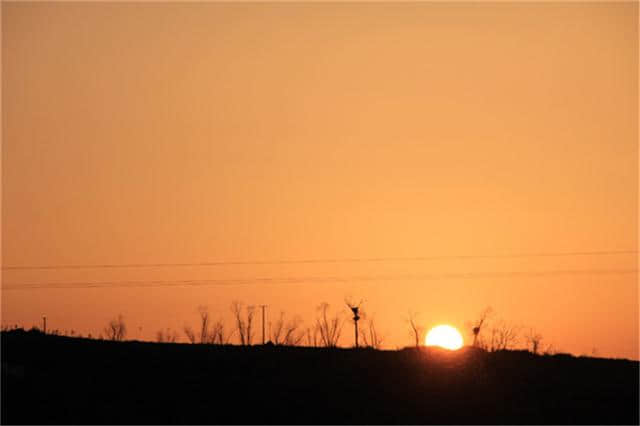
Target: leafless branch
[534, 340]
[218, 336]
[312, 336]
[477, 325]
[292, 335]
[417, 330]
[204, 324]
[370, 336]
[166, 336]
[116, 330]
[328, 328]
[188, 331]
[276, 330]
[244, 323]
[503, 336]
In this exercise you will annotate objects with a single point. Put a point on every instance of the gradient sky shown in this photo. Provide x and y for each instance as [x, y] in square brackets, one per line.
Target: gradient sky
[214, 132]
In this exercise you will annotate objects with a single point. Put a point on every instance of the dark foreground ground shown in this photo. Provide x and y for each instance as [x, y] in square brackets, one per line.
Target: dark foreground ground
[52, 379]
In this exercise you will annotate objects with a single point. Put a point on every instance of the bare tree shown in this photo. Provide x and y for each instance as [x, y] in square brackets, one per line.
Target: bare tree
[286, 332]
[188, 331]
[503, 336]
[292, 333]
[551, 350]
[218, 335]
[416, 330]
[477, 325]
[251, 310]
[328, 328]
[312, 336]
[167, 336]
[370, 336]
[310, 341]
[533, 339]
[244, 323]
[116, 330]
[276, 330]
[236, 308]
[204, 324]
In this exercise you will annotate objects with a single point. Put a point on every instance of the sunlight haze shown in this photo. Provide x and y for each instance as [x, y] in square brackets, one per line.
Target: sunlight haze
[407, 153]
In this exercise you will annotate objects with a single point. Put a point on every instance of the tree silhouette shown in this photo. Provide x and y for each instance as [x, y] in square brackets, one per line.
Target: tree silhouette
[188, 331]
[286, 332]
[416, 330]
[503, 336]
[218, 335]
[534, 340]
[204, 324]
[244, 323]
[370, 336]
[166, 336]
[116, 330]
[276, 330]
[312, 336]
[328, 328]
[477, 327]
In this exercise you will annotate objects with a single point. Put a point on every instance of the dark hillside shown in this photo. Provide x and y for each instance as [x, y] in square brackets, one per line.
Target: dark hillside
[52, 379]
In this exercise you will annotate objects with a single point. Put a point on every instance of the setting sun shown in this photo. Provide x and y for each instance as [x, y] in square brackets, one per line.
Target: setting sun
[444, 336]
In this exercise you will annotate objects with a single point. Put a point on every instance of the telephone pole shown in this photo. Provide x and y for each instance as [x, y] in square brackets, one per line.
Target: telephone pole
[263, 306]
[356, 317]
[44, 325]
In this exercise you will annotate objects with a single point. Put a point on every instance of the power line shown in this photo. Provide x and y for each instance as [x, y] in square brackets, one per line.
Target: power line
[311, 261]
[313, 280]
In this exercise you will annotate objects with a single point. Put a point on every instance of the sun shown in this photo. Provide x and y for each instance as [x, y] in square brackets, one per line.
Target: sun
[444, 336]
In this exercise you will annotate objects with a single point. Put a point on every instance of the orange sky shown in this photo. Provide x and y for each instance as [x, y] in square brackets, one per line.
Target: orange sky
[186, 133]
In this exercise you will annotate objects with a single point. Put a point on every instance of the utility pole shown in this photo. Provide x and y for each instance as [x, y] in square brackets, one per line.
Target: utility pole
[356, 317]
[44, 325]
[263, 306]
[355, 309]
